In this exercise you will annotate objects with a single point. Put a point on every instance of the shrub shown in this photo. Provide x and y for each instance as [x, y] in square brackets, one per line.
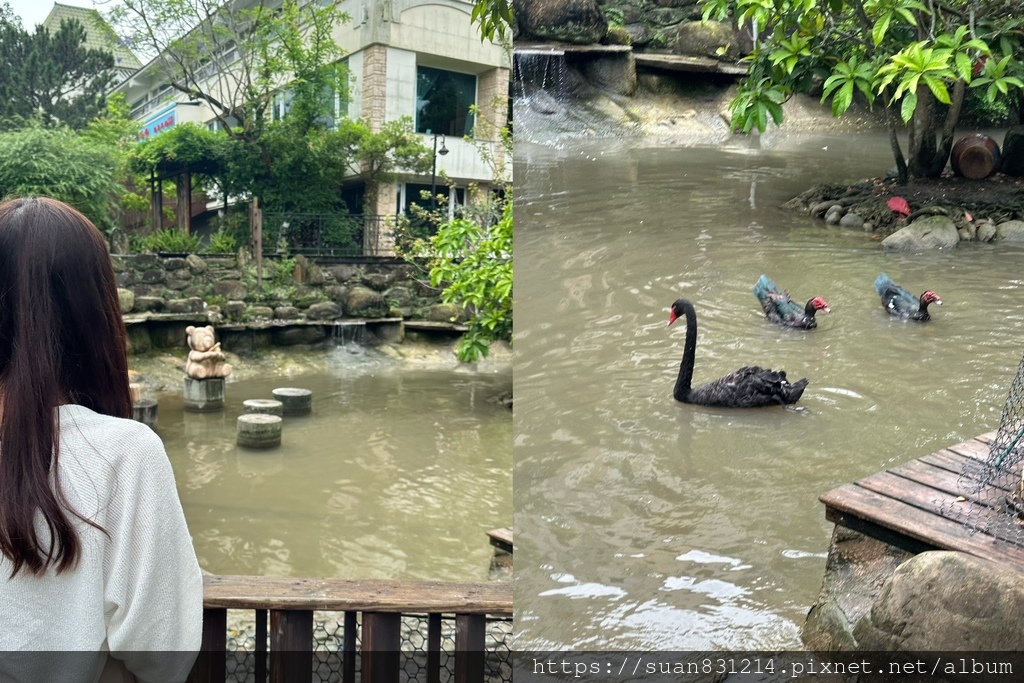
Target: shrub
[222, 242]
[172, 240]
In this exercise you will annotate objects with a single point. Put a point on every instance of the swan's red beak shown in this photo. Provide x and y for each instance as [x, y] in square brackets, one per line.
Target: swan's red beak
[672, 316]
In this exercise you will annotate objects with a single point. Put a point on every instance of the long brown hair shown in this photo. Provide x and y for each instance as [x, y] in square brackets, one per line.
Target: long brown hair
[62, 340]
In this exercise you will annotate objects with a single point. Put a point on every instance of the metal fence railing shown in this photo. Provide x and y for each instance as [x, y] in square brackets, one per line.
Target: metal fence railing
[325, 234]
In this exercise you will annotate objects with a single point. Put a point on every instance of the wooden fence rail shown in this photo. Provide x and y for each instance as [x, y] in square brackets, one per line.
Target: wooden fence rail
[290, 603]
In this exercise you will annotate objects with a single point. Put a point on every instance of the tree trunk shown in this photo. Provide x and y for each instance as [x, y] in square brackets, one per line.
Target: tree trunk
[892, 125]
[941, 155]
[921, 148]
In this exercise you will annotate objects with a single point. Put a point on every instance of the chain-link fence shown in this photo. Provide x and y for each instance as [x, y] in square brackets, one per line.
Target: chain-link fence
[994, 485]
[329, 656]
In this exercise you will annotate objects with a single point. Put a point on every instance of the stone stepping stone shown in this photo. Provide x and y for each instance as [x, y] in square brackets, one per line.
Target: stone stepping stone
[259, 430]
[264, 405]
[144, 411]
[296, 401]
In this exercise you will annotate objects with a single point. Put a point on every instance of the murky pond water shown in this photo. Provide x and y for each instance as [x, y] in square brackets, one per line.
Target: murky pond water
[398, 473]
[647, 524]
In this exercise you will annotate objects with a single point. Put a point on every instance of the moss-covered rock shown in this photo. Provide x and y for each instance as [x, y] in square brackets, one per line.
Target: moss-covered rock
[569, 21]
[362, 302]
[707, 39]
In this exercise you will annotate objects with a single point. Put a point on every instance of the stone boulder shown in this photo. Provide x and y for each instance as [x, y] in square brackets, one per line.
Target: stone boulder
[707, 39]
[943, 600]
[446, 313]
[126, 298]
[196, 264]
[230, 290]
[986, 232]
[325, 310]
[290, 336]
[855, 571]
[1013, 152]
[149, 303]
[362, 302]
[1010, 231]
[568, 21]
[930, 232]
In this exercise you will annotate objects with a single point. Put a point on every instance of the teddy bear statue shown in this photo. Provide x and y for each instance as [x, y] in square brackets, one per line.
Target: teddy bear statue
[205, 359]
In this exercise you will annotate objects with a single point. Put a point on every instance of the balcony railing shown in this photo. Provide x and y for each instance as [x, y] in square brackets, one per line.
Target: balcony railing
[354, 631]
[324, 234]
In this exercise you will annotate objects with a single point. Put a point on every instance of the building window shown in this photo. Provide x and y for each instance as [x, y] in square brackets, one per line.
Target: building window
[443, 99]
[282, 104]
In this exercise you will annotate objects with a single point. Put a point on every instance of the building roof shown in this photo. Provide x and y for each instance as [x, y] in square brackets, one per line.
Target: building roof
[98, 34]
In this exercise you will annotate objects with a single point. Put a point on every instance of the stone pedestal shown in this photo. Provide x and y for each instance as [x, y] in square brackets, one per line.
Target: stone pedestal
[258, 430]
[265, 406]
[204, 395]
[295, 401]
[144, 411]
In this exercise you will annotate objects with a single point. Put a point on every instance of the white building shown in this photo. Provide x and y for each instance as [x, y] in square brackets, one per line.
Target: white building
[418, 58]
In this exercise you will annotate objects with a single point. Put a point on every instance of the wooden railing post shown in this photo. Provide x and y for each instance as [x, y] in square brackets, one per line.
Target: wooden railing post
[291, 645]
[210, 665]
[434, 648]
[470, 632]
[349, 649]
[382, 637]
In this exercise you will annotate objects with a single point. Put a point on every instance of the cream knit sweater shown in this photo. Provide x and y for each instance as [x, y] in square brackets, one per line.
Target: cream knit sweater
[137, 589]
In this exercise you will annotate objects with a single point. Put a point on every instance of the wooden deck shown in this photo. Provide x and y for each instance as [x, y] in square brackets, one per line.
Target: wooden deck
[919, 506]
[501, 538]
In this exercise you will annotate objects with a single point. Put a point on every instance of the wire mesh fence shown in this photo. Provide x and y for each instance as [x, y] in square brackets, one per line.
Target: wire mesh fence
[329, 657]
[994, 486]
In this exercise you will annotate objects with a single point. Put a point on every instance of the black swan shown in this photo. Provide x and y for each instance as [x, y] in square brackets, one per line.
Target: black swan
[749, 387]
[782, 310]
[901, 303]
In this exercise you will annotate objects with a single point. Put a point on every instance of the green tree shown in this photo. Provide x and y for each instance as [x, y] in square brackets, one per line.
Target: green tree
[56, 162]
[495, 19]
[473, 262]
[918, 58]
[51, 75]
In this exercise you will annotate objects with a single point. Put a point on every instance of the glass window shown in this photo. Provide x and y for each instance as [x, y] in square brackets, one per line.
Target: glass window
[282, 104]
[443, 99]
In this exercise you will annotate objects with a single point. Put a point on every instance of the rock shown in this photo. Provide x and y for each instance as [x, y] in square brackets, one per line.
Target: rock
[149, 303]
[402, 296]
[613, 75]
[126, 298]
[424, 289]
[260, 312]
[942, 600]
[1013, 152]
[868, 227]
[141, 261]
[325, 310]
[175, 263]
[195, 263]
[181, 306]
[316, 275]
[138, 339]
[379, 281]
[235, 309]
[851, 220]
[175, 284]
[336, 293]
[301, 273]
[834, 214]
[986, 232]
[929, 232]
[856, 568]
[618, 35]
[569, 21]
[230, 290]
[286, 313]
[126, 278]
[366, 303]
[343, 273]
[446, 313]
[638, 34]
[966, 233]
[707, 39]
[306, 334]
[153, 276]
[1010, 231]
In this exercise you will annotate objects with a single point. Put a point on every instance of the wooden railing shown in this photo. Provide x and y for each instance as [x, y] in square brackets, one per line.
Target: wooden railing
[373, 609]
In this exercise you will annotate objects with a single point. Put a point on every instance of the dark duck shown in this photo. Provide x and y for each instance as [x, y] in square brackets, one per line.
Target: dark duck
[782, 310]
[749, 387]
[900, 303]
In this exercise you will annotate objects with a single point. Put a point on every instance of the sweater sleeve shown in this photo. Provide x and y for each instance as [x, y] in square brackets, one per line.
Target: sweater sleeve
[153, 592]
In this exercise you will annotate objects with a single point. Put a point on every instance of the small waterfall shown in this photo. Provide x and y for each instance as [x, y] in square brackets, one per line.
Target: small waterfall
[343, 333]
[540, 80]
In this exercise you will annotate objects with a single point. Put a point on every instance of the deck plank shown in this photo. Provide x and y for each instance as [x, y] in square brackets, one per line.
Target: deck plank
[922, 526]
[938, 502]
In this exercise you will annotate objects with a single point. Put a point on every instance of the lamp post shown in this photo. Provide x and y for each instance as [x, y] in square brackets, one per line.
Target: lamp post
[433, 171]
